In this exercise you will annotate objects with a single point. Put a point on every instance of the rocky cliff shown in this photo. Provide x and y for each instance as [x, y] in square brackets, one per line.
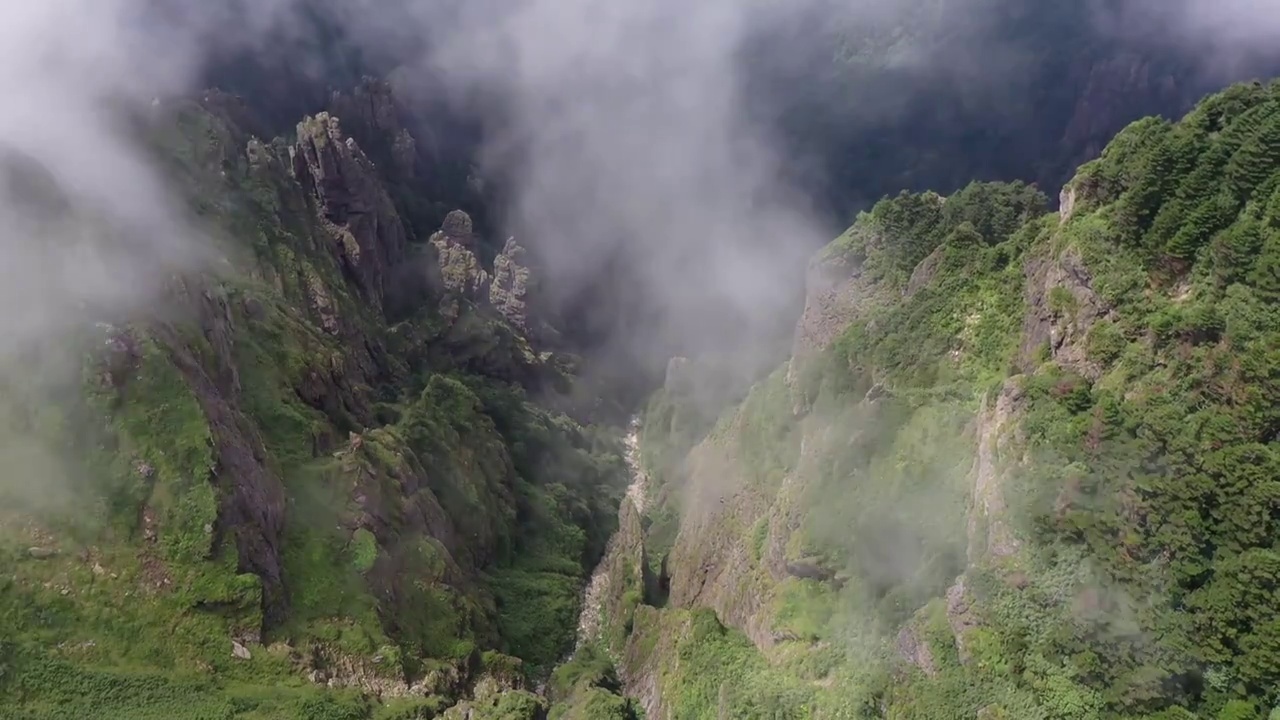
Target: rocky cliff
[312, 484]
[983, 486]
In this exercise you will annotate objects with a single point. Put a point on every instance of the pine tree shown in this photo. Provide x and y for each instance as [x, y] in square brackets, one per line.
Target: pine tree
[1265, 277]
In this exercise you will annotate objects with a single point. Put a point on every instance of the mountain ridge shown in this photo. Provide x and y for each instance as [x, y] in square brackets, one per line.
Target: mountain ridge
[355, 455]
[313, 480]
[947, 505]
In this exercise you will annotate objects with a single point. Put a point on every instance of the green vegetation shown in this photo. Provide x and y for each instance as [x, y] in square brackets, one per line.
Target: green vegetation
[1034, 477]
[587, 687]
[258, 506]
[1076, 418]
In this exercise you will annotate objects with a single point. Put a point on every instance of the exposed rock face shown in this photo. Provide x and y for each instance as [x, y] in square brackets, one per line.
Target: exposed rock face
[622, 571]
[677, 375]
[334, 668]
[915, 650]
[391, 500]
[460, 270]
[961, 615]
[712, 566]
[831, 301]
[221, 413]
[642, 667]
[1066, 203]
[366, 230]
[511, 285]
[240, 652]
[322, 304]
[624, 567]
[1062, 307]
[924, 272]
[989, 531]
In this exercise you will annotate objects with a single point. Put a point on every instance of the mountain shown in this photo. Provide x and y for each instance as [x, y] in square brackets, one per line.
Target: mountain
[1020, 463]
[349, 450]
[857, 102]
[326, 473]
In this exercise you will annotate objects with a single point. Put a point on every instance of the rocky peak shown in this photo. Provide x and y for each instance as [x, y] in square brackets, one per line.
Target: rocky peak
[460, 270]
[1066, 203]
[368, 235]
[458, 228]
[512, 283]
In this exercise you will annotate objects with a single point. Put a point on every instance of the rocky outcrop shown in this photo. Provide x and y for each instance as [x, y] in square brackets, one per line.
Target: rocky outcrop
[460, 269]
[1084, 193]
[832, 294]
[367, 233]
[1066, 204]
[508, 705]
[1062, 307]
[511, 286]
[271, 463]
[648, 654]
[912, 648]
[678, 376]
[392, 498]
[962, 616]
[923, 273]
[621, 580]
[990, 535]
[732, 551]
[710, 564]
[618, 585]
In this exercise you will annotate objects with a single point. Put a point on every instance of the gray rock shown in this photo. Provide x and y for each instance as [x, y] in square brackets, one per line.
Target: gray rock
[511, 285]
[369, 237]
[913, 648]
[240, 652]
[460, 270]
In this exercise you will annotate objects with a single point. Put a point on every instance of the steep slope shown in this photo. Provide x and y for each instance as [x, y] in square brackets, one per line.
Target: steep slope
[314, 484]
[1020, 464]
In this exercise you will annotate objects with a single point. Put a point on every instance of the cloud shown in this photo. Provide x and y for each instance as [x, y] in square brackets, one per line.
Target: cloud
[623, 129]
[1229, 24]
[67, 69]
[1219, 36]
[89, 230]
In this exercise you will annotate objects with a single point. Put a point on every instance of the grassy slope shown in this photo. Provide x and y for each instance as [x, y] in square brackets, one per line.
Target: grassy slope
[1143, 499]
[115, 625]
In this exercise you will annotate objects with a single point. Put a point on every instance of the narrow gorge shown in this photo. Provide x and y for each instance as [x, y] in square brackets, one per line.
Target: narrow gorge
[581, 360]
[599, 589]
